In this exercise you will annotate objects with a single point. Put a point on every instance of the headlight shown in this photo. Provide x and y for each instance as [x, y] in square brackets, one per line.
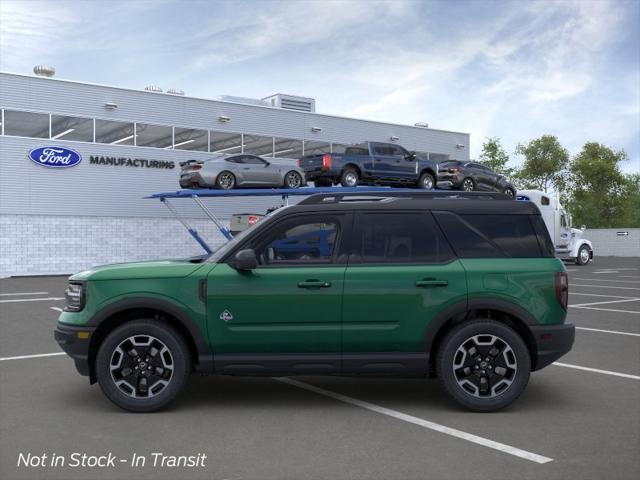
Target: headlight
[75, 297]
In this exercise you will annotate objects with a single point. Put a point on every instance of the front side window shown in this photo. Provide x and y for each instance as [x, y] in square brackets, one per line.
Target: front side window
[301, 242]
[401, 238]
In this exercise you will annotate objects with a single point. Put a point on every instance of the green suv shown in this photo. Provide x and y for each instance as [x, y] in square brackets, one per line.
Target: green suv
[464, 287]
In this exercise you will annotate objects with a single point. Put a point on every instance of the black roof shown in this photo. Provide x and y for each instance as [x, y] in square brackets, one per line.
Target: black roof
[457, 202]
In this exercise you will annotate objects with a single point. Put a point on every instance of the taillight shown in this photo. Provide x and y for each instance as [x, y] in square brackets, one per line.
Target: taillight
[326, 161]
[299, 162]
[454, 170]
[196, 167]
[562, 289]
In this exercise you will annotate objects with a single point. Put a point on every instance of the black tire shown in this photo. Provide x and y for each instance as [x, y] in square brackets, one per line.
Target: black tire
[509, 192]
[584, 255]
[349, 178]
[293, 179]
[426, 182]
[504, 388]
[468, 185]
[322, 182]
[225, 180]
[168, 381]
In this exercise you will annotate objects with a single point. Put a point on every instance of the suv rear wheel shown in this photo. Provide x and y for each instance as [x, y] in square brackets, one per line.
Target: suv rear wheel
[483, 365]
[142, 365]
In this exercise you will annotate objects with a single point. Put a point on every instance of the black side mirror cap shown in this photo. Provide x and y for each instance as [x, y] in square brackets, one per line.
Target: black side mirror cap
[245, 260]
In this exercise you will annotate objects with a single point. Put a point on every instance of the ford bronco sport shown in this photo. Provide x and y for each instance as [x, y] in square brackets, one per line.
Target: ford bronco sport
[464, 287]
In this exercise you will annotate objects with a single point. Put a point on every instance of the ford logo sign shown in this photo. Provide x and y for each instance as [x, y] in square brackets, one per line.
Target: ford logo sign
[55, 157]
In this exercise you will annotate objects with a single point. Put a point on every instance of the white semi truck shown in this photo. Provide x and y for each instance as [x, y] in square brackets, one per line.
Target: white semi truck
[568, 242]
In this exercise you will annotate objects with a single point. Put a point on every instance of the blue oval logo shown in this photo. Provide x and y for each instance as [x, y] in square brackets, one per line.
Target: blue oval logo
[55, 157]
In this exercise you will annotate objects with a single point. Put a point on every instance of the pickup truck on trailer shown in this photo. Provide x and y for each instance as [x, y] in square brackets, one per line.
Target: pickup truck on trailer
[371, 163]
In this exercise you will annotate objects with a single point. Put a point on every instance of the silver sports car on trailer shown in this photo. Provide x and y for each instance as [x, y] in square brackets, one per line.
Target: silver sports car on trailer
[233, 171]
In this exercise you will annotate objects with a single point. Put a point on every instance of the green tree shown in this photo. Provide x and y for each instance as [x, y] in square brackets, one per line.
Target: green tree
[631, 215]
[545, 164]
[598, 191]
[495, 157]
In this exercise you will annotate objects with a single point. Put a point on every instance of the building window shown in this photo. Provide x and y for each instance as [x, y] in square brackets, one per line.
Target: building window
[157, 136]
[115, 133]
[26, 124]
[316, 148]
[438, 157]
[287, 148]
[191, 139]
[258, 145]
[71, 128]
[225, 143]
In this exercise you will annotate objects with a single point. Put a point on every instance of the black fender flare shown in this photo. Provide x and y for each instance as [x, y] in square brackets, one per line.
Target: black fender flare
[205, 355]
[462, 308]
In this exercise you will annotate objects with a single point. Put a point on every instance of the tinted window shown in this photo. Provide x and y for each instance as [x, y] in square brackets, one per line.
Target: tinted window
[544, 240]
[250, 159]
[238, 159]
[356, 151]
[467, 241]
[306, 241]
[383, 150]
[400, 238]
[514, 234]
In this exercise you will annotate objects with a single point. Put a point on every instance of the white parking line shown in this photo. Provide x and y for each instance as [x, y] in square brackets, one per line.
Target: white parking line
[596, 295]
[23, 293]
[632, 299]
[608, 331]
[31, 299]
[604, 286]
[609, 310]
[57, 309]
[607, 280]
[39, 355]
[629, 276]
[597, 370]
[533, 457]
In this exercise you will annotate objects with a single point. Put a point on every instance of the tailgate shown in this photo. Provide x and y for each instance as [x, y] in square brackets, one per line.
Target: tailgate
[311, 163]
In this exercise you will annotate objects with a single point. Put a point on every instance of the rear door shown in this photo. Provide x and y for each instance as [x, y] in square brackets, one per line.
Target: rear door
[401, 274]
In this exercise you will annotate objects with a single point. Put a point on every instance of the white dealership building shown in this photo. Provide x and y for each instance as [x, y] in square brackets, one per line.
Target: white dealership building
[126, 145]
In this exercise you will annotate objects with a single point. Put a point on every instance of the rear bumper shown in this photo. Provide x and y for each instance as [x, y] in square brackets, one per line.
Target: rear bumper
[552, 342]
[188, 180]
[449, 180]
[74, 345]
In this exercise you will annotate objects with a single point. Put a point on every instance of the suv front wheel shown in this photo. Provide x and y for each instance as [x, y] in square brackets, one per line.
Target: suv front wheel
[142, 365]
[484, 365]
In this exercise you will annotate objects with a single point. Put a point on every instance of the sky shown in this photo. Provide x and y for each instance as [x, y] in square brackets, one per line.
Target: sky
[509, 69]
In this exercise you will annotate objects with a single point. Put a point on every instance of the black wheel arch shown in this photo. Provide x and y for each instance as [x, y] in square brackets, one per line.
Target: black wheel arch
[352, 166]
[123, 311]
[430, 171]
[503, 311]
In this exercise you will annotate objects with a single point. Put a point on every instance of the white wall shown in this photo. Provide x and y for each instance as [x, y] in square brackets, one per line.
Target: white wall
[607, 242]
[51, 245]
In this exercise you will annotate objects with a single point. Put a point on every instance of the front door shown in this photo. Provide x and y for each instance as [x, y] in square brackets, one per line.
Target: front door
[287, 312]
[401, 274]
[391, 163]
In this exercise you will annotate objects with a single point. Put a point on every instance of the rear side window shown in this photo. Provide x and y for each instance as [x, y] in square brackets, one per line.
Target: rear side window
[400, 238]
[514, 234]
[484, 236]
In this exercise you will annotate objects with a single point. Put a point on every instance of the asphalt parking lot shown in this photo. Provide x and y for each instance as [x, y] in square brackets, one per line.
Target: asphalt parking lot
[579, 418]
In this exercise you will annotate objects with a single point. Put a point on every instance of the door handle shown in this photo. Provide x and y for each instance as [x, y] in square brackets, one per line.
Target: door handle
[314, 284]
[431, 282]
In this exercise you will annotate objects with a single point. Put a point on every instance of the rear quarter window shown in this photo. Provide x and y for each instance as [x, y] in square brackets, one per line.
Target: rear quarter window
[490, 235]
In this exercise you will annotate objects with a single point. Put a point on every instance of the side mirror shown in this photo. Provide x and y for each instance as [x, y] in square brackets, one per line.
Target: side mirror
[245, 260]
[412, 156]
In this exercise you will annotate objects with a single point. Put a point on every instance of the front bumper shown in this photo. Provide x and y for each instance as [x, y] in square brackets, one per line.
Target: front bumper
[74, 340]
[552, 342]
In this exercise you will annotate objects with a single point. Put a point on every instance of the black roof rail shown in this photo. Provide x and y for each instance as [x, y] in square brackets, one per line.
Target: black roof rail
[339, 197]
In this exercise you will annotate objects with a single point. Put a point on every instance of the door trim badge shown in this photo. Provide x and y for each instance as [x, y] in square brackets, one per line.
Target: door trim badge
[226, 316]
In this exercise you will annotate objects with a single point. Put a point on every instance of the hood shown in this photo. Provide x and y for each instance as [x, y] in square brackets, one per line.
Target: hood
[141, 270]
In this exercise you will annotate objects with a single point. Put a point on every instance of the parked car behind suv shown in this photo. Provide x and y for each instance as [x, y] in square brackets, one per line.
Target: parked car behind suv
[371, 163]
[233, 171]
[462, 287]
[470, 176]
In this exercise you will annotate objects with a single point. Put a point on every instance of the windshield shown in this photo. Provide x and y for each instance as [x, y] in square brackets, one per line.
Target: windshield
[231, 244]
